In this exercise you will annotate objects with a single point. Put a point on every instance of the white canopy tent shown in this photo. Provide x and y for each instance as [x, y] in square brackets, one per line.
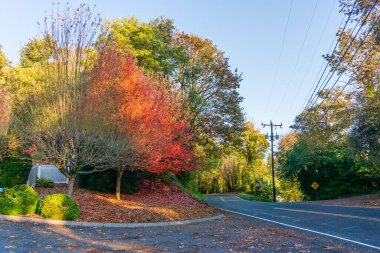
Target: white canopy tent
[48, 172]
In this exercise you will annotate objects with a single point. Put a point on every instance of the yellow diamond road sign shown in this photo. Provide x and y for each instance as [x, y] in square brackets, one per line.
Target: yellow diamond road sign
[315, 185]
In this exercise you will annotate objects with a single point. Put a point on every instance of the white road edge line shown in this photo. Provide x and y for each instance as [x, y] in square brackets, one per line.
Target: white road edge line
[305, 229]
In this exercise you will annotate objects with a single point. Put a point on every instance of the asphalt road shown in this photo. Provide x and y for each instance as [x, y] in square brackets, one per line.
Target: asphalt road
[357, 225]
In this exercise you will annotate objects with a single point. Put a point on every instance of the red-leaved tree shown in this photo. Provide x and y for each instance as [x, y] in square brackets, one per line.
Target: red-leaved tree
[143, 111]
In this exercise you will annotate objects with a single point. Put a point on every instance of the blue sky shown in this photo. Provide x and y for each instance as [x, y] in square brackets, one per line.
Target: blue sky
[250, 32]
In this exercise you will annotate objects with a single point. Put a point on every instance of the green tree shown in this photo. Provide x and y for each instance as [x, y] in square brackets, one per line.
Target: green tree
[365, 131]
[3, 59]
[210, 87]
[37, 51]
[150, 43]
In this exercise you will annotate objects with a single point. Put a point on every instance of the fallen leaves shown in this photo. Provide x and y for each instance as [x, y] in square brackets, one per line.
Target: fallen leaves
[164, 203]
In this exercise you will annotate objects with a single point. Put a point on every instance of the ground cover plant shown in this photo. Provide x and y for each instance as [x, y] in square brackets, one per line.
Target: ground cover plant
[43, 182]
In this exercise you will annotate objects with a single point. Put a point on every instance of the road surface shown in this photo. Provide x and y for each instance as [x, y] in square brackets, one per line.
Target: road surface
[358, 225]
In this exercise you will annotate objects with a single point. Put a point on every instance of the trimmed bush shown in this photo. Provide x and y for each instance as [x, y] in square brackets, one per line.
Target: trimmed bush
[19, 200]
[43, 182]
[14, 170]
[60, 207]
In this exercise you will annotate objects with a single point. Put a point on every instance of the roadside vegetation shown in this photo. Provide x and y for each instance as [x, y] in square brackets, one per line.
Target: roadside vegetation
[122, 103]
[251, 197]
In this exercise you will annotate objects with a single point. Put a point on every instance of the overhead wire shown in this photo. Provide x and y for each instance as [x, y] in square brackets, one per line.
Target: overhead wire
[335, 69]
[327, 65]
[279, 58]
[353, 74]
[298, 57]
[312, 60]
[344, 54]
[362, 24]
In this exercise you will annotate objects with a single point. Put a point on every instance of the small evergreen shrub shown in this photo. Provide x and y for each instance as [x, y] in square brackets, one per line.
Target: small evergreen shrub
[60, 207]
[43, 182]
[14, 170]
[19, 200]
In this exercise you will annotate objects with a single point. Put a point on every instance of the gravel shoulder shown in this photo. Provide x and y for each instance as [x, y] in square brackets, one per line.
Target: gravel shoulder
[230, 234]
[371, 200]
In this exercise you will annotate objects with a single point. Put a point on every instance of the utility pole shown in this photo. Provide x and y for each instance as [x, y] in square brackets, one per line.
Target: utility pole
[271, 142]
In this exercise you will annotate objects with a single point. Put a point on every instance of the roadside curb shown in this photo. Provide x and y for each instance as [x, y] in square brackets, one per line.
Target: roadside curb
[106, 225]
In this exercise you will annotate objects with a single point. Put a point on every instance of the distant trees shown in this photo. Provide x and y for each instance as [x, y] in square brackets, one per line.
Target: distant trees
[236, 168]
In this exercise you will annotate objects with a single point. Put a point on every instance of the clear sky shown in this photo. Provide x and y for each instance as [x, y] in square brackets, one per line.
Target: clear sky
[278, 70]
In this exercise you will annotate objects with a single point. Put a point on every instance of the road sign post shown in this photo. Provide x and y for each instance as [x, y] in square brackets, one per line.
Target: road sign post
[315, 186]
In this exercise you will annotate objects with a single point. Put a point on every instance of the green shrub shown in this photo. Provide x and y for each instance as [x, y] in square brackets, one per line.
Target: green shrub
[60, 207]
[14, 170]
[43, 182]
[19, 200]
[250, 197]
[261, 189]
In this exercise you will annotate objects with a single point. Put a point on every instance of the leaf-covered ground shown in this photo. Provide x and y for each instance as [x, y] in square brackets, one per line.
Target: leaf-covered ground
[161, 203]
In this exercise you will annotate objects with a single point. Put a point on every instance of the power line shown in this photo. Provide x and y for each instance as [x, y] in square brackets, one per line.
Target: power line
[326, 64]
[344, 54]
[353, 74]
[349, 82]
[298, 56]
[279, 57]
[362, 42]
[335, 68]
[312, 60]
[335, 47]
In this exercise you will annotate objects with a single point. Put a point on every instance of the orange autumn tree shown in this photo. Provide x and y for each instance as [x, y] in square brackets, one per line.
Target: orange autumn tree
[143, 111]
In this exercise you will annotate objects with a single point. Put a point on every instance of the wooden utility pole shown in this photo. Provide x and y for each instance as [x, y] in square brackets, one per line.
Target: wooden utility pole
[271, 142]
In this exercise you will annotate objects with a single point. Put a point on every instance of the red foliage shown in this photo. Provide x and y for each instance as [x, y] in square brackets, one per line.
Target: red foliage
[144, 112]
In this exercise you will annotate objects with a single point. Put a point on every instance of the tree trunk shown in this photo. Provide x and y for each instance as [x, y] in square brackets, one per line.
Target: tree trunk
[118, 183]
[151, 182]
[71, 186]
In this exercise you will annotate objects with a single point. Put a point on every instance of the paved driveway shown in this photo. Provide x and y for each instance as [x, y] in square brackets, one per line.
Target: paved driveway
[357, 225]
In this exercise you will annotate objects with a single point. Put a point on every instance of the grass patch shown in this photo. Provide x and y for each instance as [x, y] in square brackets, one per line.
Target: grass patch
[196, 194]
[171, 178]
[250, 197]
